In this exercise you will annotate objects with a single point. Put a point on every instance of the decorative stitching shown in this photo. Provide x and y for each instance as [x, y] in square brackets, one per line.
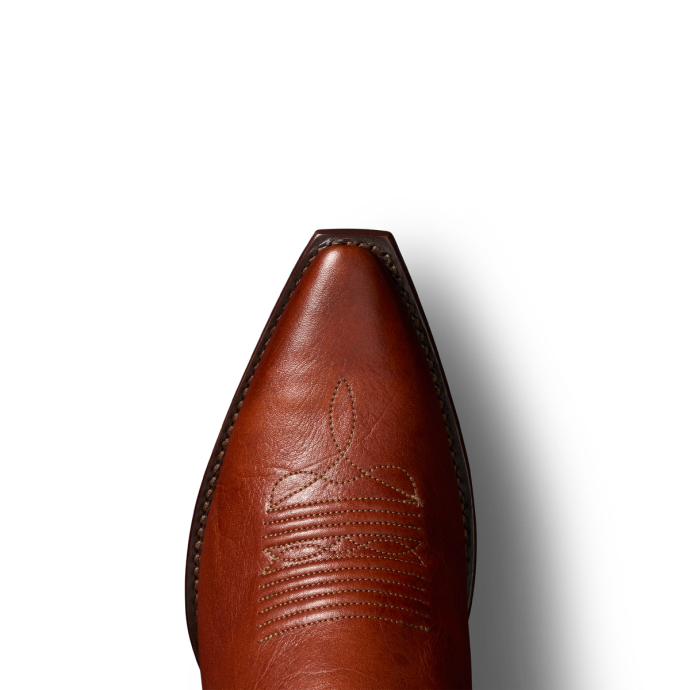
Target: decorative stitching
[337, 541]
[299, 551]
[354, 416]
[338, 570]
[340, 558]
[386, 258]
[342, 618]
[336, 524]
[335, 582]
[344, 591]
[342, 455]
[414, 497]
[341, 452]
[338, 500]
[337, 512]
[344, 603]
[342, 536]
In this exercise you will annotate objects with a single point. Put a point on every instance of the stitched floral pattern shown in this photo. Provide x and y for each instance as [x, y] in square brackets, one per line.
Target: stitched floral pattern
[399, 481]
[391, 537]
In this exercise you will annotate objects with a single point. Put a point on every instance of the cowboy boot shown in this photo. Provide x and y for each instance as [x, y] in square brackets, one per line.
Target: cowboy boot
[333, 540]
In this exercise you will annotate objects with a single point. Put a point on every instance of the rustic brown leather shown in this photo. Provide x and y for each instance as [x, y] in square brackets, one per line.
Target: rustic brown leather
[333, 551]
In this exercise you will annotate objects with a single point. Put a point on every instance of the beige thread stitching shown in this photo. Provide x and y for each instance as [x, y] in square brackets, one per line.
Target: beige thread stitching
[338, 570]
[343, 536]
[316, 476]
[338, 500]
[340, 558]
[354, 416]
[342, 454]
[337, 524]
[342, 618]
[345, 603]
[336, 582]
[345, 591]
[341, 554]
[337, 512]
[414, 497]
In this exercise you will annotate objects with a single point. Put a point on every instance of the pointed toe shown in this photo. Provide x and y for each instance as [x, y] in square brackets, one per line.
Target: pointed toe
[333, 540]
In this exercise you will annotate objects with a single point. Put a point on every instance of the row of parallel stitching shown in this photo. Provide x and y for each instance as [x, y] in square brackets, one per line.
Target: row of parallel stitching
[312, 585]
[342, 618]
[274, 552]
[340, 500]
[433, 367]
[318, 526]
[219, 451]
[321, 595]
[330, 571]
[406, 513]
[340, 604]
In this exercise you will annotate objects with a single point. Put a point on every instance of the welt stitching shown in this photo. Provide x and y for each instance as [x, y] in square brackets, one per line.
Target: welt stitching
[345, 603]
[335, 582]
[338, 570]
[337, 512]
[346, 591]
[337, 524]
[342, 618]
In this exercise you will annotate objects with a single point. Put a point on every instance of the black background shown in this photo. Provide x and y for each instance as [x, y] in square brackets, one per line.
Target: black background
[499, 314]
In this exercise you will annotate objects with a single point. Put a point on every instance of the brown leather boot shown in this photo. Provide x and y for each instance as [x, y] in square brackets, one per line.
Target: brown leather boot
[333, 541]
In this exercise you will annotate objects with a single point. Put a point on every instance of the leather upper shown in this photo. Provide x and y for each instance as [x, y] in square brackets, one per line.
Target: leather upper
[333, 552]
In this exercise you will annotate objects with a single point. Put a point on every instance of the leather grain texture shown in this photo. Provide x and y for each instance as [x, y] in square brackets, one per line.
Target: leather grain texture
[333, 548]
